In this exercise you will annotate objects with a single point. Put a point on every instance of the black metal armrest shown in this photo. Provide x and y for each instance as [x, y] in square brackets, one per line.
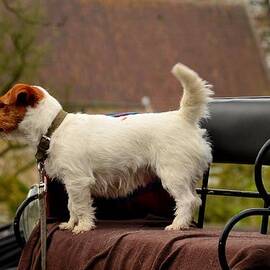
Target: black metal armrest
[16, 225]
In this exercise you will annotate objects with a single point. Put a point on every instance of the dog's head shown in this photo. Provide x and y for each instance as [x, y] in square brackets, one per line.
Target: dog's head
[15, 103]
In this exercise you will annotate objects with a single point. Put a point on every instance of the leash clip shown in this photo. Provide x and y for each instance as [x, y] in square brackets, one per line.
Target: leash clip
[42, 186]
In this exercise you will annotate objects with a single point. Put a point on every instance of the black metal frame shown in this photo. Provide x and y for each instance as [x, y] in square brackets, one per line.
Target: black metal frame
[264, 212]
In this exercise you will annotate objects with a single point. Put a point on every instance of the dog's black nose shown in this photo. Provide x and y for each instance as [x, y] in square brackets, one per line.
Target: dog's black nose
[1, 130]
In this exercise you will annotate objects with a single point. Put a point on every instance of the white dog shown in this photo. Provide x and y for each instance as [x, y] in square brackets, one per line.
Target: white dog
[98, 155]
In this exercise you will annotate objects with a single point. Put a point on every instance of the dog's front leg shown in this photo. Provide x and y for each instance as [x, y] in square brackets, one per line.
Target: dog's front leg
[81, 207]
[73, 219]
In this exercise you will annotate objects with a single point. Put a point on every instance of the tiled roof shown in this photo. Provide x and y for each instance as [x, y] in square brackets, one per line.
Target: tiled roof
[120, 51]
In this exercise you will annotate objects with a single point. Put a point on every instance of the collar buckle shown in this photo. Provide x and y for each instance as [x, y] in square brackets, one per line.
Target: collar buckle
[44, 143]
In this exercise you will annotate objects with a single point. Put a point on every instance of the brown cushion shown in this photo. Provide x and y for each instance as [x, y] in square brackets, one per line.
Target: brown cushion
[143, 244]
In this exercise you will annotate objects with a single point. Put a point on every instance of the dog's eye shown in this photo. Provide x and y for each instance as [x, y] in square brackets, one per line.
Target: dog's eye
[2, 105]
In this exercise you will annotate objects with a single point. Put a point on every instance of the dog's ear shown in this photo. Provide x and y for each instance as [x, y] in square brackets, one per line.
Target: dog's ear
[25, 95]
[23, 98]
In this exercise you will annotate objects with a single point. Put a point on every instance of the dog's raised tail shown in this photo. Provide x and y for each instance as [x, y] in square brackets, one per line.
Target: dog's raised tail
[197, 93]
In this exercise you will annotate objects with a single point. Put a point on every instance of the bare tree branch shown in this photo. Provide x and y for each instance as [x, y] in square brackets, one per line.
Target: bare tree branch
[19, 14]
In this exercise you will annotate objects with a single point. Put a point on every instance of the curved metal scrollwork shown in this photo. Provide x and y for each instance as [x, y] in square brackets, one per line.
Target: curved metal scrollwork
[224, 236]
[258, 172]
[259, 183]
[264, 212]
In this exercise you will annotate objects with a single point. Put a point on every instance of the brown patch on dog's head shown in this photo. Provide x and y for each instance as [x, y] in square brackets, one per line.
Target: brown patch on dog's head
[14, 103]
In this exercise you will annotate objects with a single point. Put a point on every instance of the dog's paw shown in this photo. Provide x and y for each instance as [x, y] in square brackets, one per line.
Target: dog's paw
[177, 227]
[83, 227]
[66, 225]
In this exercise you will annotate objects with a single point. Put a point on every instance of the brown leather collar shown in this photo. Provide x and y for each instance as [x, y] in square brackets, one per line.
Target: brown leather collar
[44, 142]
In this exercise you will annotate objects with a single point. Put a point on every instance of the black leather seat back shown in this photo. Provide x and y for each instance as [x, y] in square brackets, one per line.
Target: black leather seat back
[238, 128]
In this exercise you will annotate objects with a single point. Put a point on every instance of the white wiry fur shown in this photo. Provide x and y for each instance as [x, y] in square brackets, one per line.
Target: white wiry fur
[97, 155]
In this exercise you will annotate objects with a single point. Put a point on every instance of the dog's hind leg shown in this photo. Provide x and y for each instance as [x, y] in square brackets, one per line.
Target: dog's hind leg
[181, 189]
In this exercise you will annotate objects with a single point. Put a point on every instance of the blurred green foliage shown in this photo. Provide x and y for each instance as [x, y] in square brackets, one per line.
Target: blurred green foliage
[233, 176]
[16, 168]
[12, 192]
